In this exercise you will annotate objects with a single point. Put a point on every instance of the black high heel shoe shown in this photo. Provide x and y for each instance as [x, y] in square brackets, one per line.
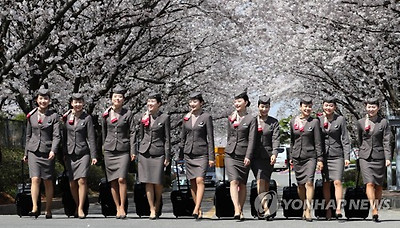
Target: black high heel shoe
[241, 216]
[236, 217]
[339, 215]
[375, 218]
[49, 216]
[34, 213]
[195, 216]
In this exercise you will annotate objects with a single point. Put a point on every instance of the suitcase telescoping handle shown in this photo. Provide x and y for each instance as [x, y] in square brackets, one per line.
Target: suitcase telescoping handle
[177, 176]
[289, 166]
[358, 172]
[22, 176]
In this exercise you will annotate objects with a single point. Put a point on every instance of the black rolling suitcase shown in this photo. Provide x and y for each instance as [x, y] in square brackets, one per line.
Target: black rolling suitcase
[140, 199]
[222, 199]
[319, 200]
[253, 196]
[67, 199]
[181, 198]
[291, 204]
[106, 200]
[356, 200]
[23, 199]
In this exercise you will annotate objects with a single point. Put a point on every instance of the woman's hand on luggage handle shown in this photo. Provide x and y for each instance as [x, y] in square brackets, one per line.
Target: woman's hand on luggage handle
[346, 163]
[291, 162]
[94, 161]
[51, 155]
[166, 162]
[133, 157]
[25, 159]
[273, 159]
[387, 163]
[246, 162]
[320, 165]
[211, 163]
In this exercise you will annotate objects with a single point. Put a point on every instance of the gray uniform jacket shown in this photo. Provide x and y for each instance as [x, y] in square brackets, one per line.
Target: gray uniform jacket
[268, 139]
[119, 136]
[43, 137]
[375, 144]
[79, 138]
[306, 144]
[242, 139]
[335, 140]
[156, 137]
[199, 139]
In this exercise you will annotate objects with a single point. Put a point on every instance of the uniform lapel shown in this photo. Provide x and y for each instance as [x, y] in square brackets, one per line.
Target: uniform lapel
[156, 119]
[245, 121]
[45, 118]
[197, 121]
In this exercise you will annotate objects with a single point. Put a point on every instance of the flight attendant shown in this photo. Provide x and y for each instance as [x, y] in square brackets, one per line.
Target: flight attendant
[267, 143]
[79, 149]
[375, 153]
[154, 151]
[306, 153]
[242, 133]
[197, 143]
[119, 147]
[42, 141]
[336, 146]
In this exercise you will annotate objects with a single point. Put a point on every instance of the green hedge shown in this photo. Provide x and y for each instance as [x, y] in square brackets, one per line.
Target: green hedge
[10, 173]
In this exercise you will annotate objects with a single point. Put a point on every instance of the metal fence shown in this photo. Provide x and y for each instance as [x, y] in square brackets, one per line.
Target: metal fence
[12, 133]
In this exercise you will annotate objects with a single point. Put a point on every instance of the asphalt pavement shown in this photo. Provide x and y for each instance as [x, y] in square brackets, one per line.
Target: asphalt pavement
[389, 217]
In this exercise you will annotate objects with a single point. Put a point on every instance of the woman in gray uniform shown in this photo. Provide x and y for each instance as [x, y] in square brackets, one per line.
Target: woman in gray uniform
[79, 147]
[197, 144]
[375, 153]
[305, 143]
[42, 141]
[267, 143]
[336, 146]
[119, 147]
[154, 151]
[242, 133]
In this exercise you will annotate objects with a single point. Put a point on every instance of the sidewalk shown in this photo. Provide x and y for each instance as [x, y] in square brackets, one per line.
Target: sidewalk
[11, 209]
[394, 197]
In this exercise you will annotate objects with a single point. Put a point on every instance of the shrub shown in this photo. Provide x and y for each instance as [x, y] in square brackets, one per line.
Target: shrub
[10, 170]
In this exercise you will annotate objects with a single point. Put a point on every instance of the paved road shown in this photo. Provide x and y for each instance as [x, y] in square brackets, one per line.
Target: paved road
[391, 218]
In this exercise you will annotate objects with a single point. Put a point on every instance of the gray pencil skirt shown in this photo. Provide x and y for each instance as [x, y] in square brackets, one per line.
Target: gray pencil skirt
[373, 171]
[304, 170]
[116, 164]
[333, 169]
[151, 168]
[235, 169]
[77, 166]
[196, 166]
[40, 165]
[262, 168]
